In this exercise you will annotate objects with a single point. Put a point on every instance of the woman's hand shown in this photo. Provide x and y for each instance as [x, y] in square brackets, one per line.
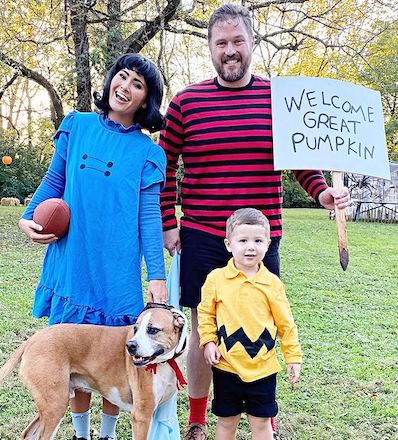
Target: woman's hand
[32, 229]
[157, 291]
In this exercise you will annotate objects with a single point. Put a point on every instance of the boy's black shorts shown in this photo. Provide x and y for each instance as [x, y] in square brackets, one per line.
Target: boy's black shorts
[232, 396]
[201, 253]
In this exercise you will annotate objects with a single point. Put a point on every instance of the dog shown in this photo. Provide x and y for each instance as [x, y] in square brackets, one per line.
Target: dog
[134, 367]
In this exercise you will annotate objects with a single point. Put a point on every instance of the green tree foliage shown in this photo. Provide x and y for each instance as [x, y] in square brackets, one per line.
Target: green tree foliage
[293, 195]
[381, 73]
[23, 175]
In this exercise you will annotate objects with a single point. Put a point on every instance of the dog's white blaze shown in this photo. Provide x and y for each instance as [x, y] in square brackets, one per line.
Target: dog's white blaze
[145, 344]
[164, 383]
[114, 397]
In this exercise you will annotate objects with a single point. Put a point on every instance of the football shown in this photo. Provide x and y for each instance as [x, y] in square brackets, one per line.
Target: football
[54, 216]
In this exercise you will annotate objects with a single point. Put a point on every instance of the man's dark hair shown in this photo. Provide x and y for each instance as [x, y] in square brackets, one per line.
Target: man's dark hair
[230, 12]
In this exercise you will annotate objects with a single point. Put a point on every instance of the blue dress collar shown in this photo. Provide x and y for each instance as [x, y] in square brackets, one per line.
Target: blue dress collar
[116, 126]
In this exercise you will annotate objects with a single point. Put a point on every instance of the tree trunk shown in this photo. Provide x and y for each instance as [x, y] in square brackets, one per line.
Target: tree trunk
[78, 19]
[29, 113]
[114, 35]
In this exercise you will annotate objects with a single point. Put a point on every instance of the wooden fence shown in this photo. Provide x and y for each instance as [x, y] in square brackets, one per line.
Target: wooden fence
[373, 212]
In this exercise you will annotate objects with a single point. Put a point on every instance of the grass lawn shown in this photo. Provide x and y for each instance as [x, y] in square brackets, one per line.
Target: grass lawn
[347, 322]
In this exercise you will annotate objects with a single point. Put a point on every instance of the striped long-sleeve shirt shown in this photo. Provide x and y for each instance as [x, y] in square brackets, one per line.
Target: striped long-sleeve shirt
[224, 136]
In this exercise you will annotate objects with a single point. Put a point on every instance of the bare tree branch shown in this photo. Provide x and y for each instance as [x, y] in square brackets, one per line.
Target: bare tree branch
[137, 40]
[57, 112]
[196, 23]
[274, 2]
[185, 32]
[8, 84]
[43, 43]
[7, 118]
[102, 16]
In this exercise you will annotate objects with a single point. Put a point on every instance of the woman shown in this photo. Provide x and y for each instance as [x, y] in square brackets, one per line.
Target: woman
[110, 174]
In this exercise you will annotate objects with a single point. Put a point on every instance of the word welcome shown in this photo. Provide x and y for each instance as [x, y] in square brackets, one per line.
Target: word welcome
[334, 101]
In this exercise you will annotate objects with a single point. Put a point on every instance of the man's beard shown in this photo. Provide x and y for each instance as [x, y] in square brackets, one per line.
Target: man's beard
[232, 76]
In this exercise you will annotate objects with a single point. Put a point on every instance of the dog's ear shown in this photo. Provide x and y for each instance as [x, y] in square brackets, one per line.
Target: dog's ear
[179, 321]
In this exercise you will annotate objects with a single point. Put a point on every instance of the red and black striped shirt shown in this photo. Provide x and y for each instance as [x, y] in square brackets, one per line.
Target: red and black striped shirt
[224, 137]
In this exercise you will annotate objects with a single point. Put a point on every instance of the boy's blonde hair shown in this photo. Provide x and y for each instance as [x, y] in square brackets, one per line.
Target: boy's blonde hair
[247, 216]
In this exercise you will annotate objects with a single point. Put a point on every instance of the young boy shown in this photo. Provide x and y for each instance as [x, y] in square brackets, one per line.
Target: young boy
[243, 309]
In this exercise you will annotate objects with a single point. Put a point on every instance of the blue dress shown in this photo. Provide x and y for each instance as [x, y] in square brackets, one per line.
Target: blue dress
[93, 274]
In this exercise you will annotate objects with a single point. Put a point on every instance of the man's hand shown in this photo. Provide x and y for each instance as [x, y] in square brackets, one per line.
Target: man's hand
[171, 241]
[32, 229]
[211, 354]
[331, 198]
[157, 291]
[293, 372]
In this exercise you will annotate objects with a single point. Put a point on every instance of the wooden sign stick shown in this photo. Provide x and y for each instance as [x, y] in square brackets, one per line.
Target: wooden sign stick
[337, 180]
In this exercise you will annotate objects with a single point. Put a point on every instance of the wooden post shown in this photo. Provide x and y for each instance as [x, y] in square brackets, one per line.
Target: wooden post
[337, 179]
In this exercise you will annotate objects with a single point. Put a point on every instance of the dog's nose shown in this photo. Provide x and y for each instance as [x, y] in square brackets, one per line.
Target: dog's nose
[132, 347]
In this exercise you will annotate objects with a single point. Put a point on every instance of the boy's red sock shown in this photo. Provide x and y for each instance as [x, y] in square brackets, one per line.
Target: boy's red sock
[197, 410]
[273, 426]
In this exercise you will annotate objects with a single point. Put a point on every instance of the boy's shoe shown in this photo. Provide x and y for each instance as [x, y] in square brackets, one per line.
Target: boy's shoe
[196, 431]
[107, 438]
[78, 438]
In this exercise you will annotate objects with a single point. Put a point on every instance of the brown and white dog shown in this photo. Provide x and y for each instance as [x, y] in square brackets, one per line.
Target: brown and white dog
[59, 359]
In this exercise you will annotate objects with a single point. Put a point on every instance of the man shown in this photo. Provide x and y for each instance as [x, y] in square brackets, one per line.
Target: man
[222, 128]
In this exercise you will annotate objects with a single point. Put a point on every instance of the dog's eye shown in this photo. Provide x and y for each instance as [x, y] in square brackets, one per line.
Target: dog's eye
[135, 328]
[153, 330]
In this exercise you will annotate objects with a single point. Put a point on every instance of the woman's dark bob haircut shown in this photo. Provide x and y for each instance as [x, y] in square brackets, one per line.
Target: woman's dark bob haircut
[150, 117]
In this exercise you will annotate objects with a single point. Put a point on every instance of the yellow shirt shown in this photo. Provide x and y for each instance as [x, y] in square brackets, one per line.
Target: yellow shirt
[243, 316]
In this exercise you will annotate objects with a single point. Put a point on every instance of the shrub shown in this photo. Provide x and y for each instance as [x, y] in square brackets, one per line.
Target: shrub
[23, 175]
[293, 195]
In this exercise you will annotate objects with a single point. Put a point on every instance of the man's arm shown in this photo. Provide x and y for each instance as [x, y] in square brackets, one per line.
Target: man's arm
[314, 183]
[171, 140]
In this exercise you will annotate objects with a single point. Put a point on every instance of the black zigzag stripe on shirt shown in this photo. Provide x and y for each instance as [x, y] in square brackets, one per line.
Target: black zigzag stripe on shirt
[251, 347]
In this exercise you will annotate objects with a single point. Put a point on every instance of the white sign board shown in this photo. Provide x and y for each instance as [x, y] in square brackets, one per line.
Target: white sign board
[327, 124]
